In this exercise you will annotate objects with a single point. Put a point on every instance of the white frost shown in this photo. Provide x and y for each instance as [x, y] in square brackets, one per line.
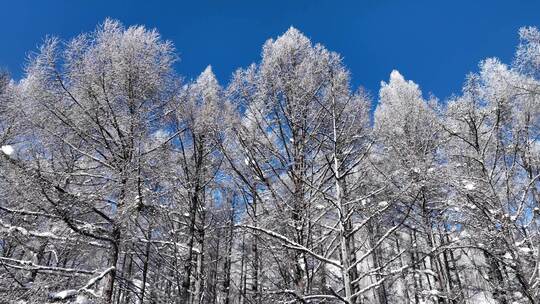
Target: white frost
[470, 186]
[8, 150]
[508, 256]
[82, 299]
[525, 250]
[433, 293]
[64, 294]
[161, 134]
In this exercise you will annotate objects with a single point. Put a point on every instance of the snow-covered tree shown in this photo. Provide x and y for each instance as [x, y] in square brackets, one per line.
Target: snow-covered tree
[90, 106]
[122, 183]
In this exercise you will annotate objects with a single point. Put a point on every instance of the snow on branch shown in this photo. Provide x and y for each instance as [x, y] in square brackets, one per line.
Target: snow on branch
[66, 294]
[27, 212]
[9, 229]
[303, 299]
[292, 245]
[179, 245]
[29, 266]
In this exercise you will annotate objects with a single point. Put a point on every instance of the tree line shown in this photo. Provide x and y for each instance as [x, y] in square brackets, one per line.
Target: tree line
[122, 183]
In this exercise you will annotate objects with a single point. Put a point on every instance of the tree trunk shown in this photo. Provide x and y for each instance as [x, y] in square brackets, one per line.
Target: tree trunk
[113, 260]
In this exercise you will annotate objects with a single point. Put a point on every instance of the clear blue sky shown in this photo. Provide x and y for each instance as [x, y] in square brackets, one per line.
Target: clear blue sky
[435, 43]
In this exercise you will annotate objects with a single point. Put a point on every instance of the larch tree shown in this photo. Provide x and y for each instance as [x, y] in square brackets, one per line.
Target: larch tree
[90, 106]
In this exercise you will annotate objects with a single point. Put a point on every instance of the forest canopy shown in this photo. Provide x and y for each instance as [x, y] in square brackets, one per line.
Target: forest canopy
[120, 182]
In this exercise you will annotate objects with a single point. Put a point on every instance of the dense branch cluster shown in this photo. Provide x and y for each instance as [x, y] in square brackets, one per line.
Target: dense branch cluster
[122, 183]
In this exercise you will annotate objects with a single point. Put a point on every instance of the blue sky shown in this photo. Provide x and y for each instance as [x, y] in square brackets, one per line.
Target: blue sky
[435, 43]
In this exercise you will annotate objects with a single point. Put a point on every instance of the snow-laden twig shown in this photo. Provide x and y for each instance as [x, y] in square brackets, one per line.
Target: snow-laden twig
[66, 294]
[6, 228]
[27, 212]
[29, 266]
[292, 245]
[179, 245]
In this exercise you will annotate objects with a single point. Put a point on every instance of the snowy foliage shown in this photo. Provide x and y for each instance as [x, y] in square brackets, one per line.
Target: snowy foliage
[120, 183]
